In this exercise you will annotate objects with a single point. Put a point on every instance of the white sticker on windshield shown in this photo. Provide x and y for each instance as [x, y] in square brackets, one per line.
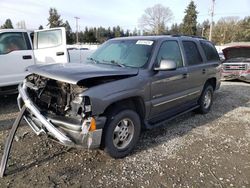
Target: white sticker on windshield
[145, 42]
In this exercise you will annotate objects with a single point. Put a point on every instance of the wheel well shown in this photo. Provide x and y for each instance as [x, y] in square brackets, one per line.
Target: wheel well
[212, 82]
[133, 103]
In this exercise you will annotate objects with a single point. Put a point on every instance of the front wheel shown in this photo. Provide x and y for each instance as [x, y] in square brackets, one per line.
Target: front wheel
[206, 100]
[121, 133]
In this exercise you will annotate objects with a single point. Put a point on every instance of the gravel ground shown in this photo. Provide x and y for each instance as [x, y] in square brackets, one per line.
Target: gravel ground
[211, 150]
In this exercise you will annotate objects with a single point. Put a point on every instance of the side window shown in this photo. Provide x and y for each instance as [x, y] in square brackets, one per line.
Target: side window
[210, 51]
[11, 42]
[47, 39]
[170, 50]
[192, 53]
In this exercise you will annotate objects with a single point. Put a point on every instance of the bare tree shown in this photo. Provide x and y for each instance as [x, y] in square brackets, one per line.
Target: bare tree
[21, 24]
[155, 19]
[225, 30]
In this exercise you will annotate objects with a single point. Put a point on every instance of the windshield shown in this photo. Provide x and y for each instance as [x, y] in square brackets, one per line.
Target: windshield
[124, 53]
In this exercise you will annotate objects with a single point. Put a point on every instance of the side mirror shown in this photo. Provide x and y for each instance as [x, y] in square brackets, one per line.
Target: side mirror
[166, 65]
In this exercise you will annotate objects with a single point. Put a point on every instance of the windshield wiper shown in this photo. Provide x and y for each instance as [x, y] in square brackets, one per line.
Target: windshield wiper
[114, 62]
[92, 59]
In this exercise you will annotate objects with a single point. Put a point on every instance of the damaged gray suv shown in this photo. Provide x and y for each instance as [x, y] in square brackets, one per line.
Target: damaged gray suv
[127, 85]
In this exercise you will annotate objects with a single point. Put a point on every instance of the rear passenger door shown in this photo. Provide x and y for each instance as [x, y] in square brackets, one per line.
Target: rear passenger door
[212, 59]
[196, 68]
[15, 55]
[50, 46]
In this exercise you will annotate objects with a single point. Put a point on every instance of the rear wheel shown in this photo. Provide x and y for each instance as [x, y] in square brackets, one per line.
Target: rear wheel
[206, 99]
[121, 133]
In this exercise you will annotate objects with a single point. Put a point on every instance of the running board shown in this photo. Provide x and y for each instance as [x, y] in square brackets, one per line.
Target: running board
[161, 123]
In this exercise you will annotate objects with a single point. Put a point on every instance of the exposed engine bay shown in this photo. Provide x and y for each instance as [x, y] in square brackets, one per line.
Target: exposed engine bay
[56, 97]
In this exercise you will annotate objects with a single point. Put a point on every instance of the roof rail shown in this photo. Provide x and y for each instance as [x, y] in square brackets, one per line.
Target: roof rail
[193, 36]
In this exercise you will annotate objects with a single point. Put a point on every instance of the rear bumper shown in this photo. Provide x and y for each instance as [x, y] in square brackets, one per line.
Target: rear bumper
[68, 134]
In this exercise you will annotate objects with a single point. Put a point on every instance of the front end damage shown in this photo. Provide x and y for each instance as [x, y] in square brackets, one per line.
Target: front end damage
[58, 110]
[237, 62]
[236, 71]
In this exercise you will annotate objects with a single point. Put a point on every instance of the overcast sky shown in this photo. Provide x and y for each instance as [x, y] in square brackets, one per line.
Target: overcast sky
[111, 12]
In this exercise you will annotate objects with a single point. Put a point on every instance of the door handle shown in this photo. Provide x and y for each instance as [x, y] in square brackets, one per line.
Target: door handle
[27, 57]
[185, 75]
[59, 53]
[203, 71]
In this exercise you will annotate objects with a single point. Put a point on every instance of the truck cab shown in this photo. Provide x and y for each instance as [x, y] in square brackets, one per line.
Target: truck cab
[21, 48]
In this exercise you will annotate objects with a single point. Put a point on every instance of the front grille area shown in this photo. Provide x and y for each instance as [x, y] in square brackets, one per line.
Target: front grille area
[234, 67]
[49, 95]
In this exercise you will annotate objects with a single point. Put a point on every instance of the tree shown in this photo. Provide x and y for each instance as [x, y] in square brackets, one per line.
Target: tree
[155, 19]
[225, 30]
[69, 34]
[190, 20]
[135, 32]
[243, 33]
[21, 24]
[40, 27]
[204, 29]
[54, 18]
[7, 24]
[89, 35]
[175, 29]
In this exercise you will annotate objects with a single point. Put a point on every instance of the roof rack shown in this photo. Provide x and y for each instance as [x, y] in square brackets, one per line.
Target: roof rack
[193, 36]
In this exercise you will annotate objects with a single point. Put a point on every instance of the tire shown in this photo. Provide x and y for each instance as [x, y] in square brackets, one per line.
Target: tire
[206, 99]
[121, 133]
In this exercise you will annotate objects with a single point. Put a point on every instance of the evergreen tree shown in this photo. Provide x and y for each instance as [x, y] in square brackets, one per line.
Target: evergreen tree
[7, 24]
[175, 29]
[118, 31]
[190, 20]
[40, 27]
[54, 18]
[69, 34]
[135, 32]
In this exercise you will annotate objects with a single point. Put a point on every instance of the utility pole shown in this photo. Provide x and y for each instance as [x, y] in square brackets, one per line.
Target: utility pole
[77, 18]
[202, 32]
[212, 20]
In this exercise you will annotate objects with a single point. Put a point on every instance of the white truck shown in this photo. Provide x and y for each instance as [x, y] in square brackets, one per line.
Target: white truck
[22, 48]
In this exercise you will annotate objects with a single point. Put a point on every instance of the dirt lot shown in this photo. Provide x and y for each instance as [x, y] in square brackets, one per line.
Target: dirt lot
[210, 150]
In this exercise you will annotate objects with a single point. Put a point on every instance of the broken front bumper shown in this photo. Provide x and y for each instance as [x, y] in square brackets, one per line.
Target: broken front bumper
[69, 134]
[240, 75]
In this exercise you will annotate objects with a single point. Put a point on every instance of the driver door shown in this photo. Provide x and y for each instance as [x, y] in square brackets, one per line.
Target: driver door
[168, 88]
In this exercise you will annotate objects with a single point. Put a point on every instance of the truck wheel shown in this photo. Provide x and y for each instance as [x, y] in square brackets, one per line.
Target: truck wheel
[206, 99]
[121, 133]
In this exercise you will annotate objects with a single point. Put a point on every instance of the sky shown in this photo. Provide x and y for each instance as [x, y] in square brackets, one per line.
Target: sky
[111, 13]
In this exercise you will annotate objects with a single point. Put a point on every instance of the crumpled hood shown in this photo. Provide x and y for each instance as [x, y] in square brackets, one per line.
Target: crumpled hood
[75, 73]
[237, 52]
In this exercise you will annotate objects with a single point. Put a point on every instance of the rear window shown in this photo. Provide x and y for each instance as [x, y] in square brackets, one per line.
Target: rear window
[210, 51]
[192, 53]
